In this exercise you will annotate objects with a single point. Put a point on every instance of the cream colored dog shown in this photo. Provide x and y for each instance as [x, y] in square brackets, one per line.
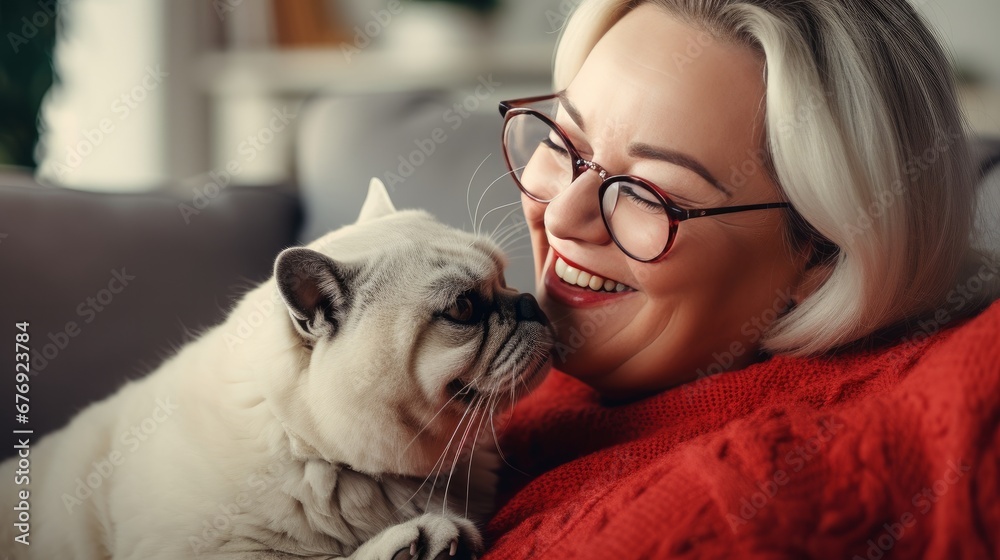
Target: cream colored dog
[327, 416]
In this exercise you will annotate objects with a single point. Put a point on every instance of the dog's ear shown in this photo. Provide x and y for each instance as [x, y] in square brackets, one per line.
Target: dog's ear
[315, 290]
[377, 203]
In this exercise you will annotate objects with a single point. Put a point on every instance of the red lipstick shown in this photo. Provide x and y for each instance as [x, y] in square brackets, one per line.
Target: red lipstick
[573, 295]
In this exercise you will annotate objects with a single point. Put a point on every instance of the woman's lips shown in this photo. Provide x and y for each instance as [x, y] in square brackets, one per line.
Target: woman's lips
[572, 273]
[573, 295]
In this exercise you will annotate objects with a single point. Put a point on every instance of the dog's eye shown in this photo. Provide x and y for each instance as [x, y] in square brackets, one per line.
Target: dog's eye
[464, 310]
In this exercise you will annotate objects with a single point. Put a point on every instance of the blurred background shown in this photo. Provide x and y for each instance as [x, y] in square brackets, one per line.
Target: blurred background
[155, 155]
[183, 82]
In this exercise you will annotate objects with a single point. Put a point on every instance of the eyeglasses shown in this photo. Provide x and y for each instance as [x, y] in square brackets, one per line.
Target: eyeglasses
[641, 220]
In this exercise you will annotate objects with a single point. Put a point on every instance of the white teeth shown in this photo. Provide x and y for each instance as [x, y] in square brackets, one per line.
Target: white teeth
[584, 279]
[571, 274]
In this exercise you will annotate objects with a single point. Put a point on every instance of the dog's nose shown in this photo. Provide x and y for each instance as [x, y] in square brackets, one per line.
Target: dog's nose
[526, 309]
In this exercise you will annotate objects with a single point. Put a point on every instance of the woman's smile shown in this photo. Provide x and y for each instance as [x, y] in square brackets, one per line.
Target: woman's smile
[576, 285]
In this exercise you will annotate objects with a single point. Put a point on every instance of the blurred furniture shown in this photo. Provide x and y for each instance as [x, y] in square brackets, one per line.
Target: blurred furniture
[245, 87]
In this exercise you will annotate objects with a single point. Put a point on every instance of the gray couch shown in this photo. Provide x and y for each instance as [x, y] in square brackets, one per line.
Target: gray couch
[112, 283]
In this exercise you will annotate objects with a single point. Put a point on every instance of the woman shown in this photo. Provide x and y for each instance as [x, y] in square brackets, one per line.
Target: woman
[718, 182]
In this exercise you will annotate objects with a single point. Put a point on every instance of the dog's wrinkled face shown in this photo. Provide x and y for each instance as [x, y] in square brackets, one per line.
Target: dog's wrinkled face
[411, 336]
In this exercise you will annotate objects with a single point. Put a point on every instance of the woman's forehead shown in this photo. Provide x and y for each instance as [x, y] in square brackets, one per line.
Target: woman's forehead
[677, 89]
[658, 63]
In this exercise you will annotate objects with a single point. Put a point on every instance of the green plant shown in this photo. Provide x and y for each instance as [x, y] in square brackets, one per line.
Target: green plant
[29, 32]
[482, 6]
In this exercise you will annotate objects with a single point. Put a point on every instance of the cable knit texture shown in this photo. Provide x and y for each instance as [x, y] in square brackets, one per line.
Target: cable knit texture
[891, 452]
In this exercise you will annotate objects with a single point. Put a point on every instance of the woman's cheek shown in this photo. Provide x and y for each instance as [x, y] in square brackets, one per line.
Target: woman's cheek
[534, 215]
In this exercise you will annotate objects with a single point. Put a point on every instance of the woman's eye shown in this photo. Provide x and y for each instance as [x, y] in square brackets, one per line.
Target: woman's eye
[557, 147]
[639, 200]
[462, 311]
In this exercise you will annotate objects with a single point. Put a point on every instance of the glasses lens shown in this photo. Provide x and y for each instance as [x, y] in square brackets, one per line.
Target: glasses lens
[537, 155]
[637, 219]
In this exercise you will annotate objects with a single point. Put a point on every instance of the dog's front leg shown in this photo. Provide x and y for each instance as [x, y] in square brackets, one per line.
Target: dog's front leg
[431, 536]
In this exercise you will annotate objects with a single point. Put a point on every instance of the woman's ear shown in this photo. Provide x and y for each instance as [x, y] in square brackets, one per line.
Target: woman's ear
[810, 280]
[815, 257]
[817, 268]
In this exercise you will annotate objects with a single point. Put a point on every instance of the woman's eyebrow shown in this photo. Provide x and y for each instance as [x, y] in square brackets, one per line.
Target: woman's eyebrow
[572, 110]
[642, 150]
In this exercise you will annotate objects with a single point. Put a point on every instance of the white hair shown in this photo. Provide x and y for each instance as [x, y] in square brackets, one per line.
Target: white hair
[865, 140]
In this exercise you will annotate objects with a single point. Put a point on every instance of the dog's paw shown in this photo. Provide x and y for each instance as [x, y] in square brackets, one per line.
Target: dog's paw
[433, 536]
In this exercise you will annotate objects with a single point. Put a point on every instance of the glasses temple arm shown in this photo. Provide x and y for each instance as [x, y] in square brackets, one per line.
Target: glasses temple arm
[702, 212]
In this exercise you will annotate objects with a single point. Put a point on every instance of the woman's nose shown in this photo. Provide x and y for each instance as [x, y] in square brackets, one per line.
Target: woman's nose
[576, 212]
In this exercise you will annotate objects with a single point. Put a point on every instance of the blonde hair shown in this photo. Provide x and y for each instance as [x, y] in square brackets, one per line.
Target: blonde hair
[864, 138]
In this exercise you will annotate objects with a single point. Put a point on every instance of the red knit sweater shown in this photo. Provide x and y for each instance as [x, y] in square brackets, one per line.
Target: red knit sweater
[885, 453]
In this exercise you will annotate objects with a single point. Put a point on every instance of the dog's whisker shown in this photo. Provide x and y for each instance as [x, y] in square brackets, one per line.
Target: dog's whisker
[511, 228]
[508, 229]
[440, 460]
[468, 191]
[496, 438]
[444, 454]
[472, 456]
[428, 423]
[514, 237]
[515, 245]
[505, 218]
[478, 225]
[458, 451]
[513, 252]
[514, 225]
[502, 206]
